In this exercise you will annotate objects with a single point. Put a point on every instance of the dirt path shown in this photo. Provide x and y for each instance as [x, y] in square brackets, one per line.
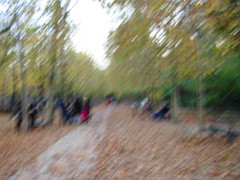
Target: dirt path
[116, 146]
[72, 156]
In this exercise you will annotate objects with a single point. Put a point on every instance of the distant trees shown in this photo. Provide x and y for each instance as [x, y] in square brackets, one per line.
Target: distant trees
[161, 48]
[166, 41]
[39, 57]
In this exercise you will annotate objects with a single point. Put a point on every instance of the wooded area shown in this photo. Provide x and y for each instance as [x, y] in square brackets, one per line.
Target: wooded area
[184, 52]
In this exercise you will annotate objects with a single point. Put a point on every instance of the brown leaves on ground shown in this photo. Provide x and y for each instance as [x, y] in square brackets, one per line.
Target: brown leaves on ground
[131, 148]
[18, 150]
[144, 149]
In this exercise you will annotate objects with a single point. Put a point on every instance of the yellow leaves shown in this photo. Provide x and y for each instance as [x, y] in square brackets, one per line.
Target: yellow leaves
[232, 25]
[211, 22]
[211, 7]
[224, 52]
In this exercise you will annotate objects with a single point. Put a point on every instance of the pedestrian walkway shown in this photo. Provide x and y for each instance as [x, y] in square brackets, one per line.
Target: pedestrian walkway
[72, 156]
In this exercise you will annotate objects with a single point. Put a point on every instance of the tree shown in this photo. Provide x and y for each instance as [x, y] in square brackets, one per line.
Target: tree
[58, 14]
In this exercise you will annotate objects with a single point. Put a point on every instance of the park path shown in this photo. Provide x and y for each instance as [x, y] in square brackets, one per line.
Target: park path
[72, 156]
[115, 145]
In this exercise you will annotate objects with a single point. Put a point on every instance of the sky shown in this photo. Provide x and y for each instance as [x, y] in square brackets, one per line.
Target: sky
[94, 24]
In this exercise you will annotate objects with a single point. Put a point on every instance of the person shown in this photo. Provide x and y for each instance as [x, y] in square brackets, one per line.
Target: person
[147, 108]
[108, 101]
[17, 111]
[134, 108]
[64, 111]
[85, 114]
[32, 114]
[76, 109]
[161, 113]
[133, 105]
[143, 103]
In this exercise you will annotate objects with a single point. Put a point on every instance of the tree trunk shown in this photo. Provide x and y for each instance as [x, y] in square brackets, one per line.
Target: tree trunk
[23, 92]
[63, 93]
[50, 103]
[2, 92]
[200, 94]
[174, 100]
[14, 86]
[2, 63]
[200, 104]
[4, 96]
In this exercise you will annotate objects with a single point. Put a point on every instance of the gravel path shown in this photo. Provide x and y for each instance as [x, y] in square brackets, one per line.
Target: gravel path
[72, 156]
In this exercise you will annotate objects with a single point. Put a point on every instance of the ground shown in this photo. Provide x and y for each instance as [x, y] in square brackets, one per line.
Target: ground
[113, 145]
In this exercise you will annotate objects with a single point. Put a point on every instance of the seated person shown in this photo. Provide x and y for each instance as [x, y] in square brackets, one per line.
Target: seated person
[134, 108]
[147, 108]
[168, 114]
[143, 103]
[160, 114]
[133, 105]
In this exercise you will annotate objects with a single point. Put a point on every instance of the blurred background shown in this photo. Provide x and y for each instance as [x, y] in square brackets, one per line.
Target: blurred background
[183, 51]
[182, 56]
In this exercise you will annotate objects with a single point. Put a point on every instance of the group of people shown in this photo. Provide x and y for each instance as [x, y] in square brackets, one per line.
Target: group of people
[77, 111]
[145, 106]
[34, 108]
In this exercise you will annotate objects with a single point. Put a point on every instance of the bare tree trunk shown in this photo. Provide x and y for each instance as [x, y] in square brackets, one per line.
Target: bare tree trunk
[63, 84]
[14, 85]
[174, 99]
[2, 63]
[4, 92]
[54, 52]
[41, 83]
[200, 101]
[41, 89]
[50, 103]
[23, 91]
[200, 94]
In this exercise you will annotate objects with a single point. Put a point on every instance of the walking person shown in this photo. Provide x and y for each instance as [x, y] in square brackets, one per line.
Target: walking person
[85, 114]
[17, 111]
[32, 114]
[76, 110]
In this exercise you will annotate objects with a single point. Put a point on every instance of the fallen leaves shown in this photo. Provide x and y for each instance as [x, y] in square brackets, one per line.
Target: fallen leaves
[18, 150]
[130, 149]
[135, 149]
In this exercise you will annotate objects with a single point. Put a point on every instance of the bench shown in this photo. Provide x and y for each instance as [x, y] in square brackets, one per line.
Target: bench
[230, 133]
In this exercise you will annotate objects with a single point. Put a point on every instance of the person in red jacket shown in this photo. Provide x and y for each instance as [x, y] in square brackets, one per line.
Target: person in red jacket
[85, 114]
[108, 101]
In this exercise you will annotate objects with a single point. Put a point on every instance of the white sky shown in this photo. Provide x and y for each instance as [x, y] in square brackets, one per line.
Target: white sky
[94, 24]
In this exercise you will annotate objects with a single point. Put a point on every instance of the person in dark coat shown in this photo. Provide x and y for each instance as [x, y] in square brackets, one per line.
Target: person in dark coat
[161, 113]
[32, 114]
[77, 109]
[17, 111]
